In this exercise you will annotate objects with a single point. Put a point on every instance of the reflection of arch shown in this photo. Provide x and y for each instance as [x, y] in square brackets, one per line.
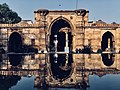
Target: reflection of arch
[108, 59]
[55, 27]
[107, 41]
[15, 42]
[8, 81]
[15, 59]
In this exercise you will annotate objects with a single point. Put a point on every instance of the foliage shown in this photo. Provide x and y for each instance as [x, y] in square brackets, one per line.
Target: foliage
[29, 49]
[87, 49]
[99, 51]
[7, 16]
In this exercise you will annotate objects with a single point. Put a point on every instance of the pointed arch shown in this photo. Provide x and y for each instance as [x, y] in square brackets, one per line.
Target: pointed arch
[107, 41]
[15, 42]
[60, 18]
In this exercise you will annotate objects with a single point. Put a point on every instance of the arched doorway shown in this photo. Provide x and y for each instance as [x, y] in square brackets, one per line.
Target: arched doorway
[15, 42]
[58, 70]
[15, 45]
[107, 44]
[107, 41]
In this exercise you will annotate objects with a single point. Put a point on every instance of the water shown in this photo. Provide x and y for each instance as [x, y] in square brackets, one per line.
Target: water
[107, 82]
[24, 84]
[97, 74]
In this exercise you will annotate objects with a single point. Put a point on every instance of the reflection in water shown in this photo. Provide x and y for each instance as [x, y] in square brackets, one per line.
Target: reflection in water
[108, 59]
[61, 70]
[7, 82]
[89, 71]
[24, 84]
[106, 82]
[60, 40]
[15, 59]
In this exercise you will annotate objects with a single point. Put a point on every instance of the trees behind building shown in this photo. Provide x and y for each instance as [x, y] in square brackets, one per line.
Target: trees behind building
[7, 16]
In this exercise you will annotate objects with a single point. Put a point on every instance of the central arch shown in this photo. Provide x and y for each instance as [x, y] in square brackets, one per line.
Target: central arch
[56, 68]
[107, 41]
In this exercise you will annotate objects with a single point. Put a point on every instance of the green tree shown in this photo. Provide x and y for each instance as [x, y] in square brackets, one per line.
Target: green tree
[7, 16]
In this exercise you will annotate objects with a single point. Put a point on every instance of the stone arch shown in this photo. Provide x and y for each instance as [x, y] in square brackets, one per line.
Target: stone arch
[107, 41]
[58, 19]
[15, 42]
[15, 45]
[63, 18]
[57, 69]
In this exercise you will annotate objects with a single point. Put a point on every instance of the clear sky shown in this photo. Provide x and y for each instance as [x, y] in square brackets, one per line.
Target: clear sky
[106, 10]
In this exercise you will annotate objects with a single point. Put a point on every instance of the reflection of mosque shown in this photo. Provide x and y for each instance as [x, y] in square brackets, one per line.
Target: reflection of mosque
[7, 82]
[84, 66]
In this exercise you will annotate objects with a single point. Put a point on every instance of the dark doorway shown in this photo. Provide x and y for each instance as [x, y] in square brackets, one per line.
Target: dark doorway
[107, 41]
[57, 72]
[15, 43]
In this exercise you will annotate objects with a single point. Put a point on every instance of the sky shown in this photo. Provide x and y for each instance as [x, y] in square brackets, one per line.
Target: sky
[106, 10]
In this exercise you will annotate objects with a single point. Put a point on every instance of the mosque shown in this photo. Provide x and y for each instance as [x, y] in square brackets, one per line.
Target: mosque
[61, 31]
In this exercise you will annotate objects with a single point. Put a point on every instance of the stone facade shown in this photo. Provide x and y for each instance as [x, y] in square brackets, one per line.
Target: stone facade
[83, 32]
[48, 23]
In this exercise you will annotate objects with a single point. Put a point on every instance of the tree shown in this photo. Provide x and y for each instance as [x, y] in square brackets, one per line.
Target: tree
[7, 16]
[99, 51]
[87, 49]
